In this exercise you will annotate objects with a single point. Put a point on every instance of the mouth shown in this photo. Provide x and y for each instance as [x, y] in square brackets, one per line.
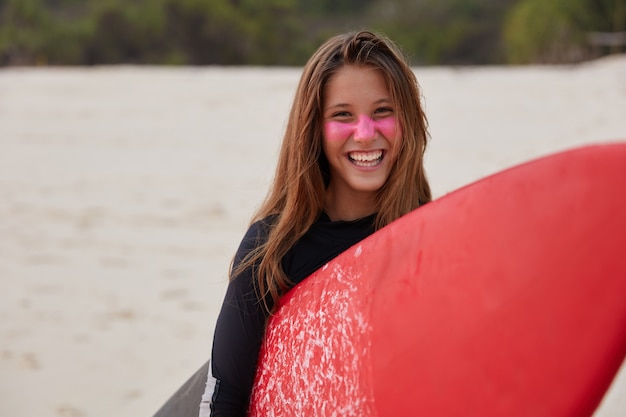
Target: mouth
[366, 159]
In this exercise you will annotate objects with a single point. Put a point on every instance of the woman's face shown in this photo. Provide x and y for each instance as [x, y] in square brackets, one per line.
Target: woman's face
[360, 131]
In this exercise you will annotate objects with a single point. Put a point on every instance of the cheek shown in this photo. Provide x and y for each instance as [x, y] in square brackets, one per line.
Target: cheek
[335, 131]
[389, 128]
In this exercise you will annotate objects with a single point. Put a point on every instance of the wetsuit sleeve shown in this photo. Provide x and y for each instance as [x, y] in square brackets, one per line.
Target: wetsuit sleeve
[237, 338]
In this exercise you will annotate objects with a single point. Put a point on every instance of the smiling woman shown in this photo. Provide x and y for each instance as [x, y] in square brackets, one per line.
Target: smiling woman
[351, 162]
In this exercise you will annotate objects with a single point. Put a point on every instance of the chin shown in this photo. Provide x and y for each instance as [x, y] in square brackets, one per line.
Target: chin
[368, 187]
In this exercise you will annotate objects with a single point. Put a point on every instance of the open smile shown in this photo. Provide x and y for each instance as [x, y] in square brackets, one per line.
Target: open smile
[366, 159]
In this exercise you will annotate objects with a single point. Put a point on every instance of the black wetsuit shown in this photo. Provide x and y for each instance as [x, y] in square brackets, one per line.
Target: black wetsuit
[241, 322]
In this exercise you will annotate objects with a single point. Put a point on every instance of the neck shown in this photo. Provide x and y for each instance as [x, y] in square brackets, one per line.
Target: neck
[348, 209]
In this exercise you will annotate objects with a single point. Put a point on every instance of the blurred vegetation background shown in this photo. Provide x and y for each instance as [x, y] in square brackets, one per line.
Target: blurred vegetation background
[285, 32]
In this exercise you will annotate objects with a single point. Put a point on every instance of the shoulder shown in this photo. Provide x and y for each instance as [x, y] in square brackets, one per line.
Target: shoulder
[256, 236]
[259, 231]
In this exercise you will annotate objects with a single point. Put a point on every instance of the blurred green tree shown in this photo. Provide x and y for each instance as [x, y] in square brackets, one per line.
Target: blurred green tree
[285, 32]
[556, 31]
[22, 27]
[449, 32]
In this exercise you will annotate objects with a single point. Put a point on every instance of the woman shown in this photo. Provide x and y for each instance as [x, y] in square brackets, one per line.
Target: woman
[351, 162]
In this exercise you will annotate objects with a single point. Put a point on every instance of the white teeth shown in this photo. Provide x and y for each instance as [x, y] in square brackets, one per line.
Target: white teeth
[366, 159]
[365, 156]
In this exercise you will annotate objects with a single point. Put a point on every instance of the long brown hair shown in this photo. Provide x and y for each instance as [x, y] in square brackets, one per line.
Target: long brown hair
[296, 197]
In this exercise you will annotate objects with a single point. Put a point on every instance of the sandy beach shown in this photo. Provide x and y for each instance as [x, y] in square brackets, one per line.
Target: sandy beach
[124, 192]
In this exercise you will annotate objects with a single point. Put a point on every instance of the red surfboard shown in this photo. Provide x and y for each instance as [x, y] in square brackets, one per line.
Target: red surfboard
[504, 298]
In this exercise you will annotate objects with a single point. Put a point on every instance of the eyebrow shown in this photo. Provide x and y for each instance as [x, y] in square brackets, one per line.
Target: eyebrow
[344, 105]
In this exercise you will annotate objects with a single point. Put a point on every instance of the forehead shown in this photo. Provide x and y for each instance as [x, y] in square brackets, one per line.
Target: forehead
[353, 85]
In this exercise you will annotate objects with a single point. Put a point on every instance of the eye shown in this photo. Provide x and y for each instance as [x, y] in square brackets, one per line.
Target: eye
[383, 111]
[341, 115]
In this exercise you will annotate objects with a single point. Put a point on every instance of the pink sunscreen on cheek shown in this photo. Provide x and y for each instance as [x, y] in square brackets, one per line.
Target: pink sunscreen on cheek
[363, 128]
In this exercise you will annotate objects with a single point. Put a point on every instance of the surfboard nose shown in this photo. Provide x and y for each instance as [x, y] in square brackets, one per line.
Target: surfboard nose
[504, 298]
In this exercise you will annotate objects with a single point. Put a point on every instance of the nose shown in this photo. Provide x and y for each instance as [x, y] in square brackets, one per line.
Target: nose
[364, 130]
